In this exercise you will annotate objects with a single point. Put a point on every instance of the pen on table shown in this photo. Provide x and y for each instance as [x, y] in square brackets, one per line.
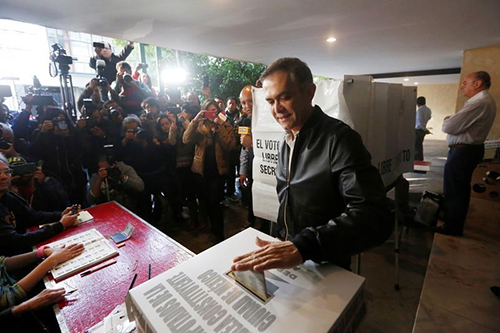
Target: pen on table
[149, 272]
[133, 281]
[69, 292]
[97, 268]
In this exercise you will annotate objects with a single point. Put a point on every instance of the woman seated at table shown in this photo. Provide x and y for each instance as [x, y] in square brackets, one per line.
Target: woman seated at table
[16, 311]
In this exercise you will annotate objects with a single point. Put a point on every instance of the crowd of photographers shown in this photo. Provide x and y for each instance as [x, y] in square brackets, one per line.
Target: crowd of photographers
[132, 145]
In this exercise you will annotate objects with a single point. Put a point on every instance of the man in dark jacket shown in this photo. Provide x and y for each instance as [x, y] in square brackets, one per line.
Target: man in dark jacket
[332, 200]
[110, 58]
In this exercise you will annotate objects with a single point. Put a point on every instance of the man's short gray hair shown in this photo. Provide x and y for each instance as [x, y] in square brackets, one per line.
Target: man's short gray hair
[297, 69]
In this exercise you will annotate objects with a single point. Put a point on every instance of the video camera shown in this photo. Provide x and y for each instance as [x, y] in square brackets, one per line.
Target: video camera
[59, 55]
[100, 68]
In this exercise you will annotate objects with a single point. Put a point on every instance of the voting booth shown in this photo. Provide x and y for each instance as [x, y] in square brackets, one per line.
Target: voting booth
[382, 113]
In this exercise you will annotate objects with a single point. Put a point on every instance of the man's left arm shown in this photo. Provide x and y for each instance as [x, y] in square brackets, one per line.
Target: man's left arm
[125, 52]
[31, 217]
[365, 223]
[462, 120]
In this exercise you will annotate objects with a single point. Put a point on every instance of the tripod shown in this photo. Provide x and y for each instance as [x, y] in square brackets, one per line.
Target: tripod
[67, 92]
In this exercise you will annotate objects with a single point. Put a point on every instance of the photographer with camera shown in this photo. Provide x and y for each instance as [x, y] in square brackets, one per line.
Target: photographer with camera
[95, 132]
[59, 145]
[115, 181]
[113, 112]
[138, 150]
[214, 138]
[144, 77]
[131, 92]
[103, 51]
[28, 119]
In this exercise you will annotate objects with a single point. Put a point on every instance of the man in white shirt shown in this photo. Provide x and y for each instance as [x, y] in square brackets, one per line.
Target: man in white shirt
[467, 130]
[423, 116]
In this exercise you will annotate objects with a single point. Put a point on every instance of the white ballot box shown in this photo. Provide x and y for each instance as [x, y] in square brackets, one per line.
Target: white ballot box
[198, 296]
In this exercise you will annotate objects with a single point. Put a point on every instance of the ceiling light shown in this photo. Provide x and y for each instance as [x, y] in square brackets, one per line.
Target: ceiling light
[331, 39]
[415, 83]
[406, 79]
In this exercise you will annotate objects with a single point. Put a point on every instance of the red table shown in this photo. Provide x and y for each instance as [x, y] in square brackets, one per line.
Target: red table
[100, 292]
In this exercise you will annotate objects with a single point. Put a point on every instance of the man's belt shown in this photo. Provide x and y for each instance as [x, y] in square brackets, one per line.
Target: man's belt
[463, 145]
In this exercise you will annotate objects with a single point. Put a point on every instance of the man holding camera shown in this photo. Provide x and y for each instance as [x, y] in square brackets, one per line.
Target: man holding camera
[115, 181]
[131, 92]
[103, 51]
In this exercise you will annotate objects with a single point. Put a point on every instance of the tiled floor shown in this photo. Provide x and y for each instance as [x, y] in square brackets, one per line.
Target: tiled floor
[388, 310]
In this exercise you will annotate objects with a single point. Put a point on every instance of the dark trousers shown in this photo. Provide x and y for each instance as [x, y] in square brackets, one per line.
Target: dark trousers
[458, 171]
[211, 190]
[419, 144]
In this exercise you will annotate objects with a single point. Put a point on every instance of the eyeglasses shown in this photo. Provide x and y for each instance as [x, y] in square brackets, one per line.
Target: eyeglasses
[7, 172]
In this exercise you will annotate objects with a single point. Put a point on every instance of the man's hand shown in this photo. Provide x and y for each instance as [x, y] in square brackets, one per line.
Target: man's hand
[270, 255]
[47, 126]
[246, 140]
[69, 209]
[81, 123]
[69, 220]
[244, 181]
[39, 176]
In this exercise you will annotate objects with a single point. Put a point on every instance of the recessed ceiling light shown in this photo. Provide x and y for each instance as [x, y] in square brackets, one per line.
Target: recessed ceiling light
[331, 39]
[415, 83]
[406, 79]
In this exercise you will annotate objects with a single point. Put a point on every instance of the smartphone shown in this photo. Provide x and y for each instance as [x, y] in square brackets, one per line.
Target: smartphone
[97, 44]
[210, 115]
[74, 209]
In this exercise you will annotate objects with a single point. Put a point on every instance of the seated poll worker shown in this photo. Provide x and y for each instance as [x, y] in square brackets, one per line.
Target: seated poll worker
[19, 299]
[16, 215]
[332, 200]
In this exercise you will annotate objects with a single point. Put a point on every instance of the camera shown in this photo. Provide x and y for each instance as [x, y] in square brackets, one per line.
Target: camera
[174, 110]
[143, 65]
[100, 45]
[60, 123]
[127, 78]
[114, 114]
[114, 173]
[59, 55]
[100, 68]
[140, 134]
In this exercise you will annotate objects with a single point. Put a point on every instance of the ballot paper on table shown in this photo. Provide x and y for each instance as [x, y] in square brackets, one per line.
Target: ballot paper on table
[83, 217]
[123, 235]
[97, 249]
